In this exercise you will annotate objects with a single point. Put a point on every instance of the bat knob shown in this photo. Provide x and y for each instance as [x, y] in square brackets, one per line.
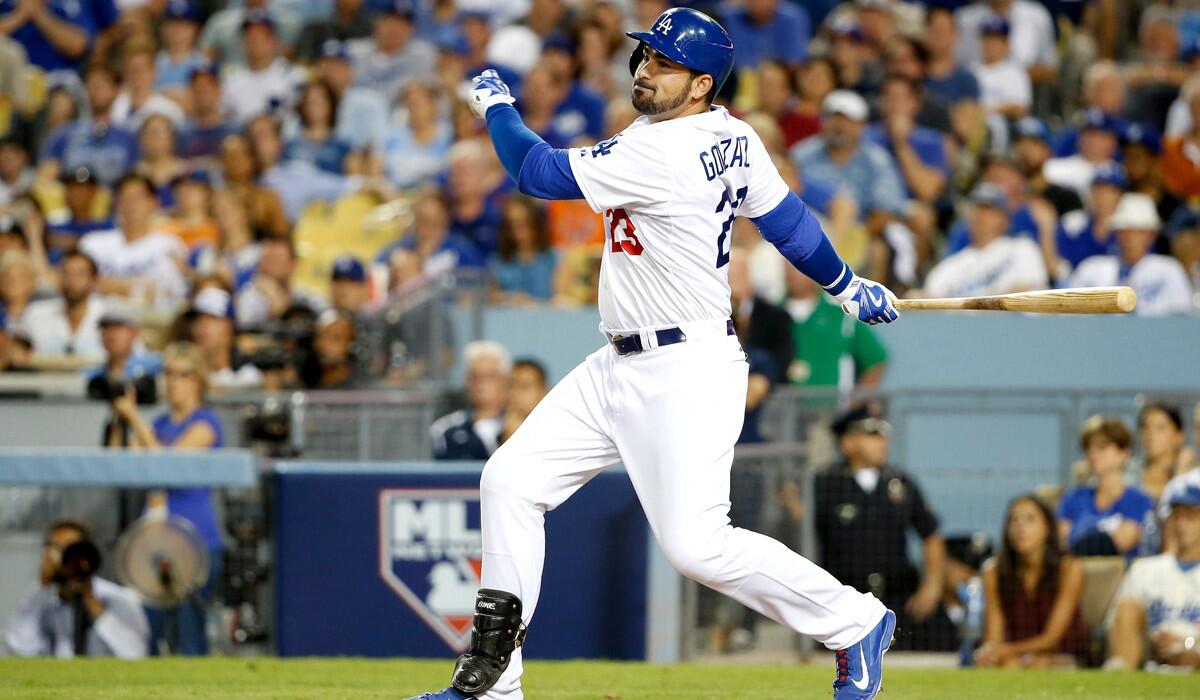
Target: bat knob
[1126, 299]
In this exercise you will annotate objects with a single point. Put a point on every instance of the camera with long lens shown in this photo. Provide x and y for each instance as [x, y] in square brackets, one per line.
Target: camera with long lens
[80, 561]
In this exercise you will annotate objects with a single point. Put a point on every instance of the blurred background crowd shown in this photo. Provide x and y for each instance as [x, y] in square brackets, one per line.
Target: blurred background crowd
[205, 198]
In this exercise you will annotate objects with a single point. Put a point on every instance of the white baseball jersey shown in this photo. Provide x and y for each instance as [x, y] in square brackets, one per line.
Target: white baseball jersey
[1161, 283]
[669, 193]
[1169, 593]
[1007, 264]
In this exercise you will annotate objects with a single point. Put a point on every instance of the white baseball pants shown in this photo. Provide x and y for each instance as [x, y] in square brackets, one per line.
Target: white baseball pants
[672, 416]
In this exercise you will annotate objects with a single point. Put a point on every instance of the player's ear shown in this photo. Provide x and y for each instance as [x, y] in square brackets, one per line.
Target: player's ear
[701, 85]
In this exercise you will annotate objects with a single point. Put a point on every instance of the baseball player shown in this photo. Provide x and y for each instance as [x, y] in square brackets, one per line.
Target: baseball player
[666, 394]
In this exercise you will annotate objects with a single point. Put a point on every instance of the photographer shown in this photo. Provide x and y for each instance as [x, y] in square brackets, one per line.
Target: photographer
[126, 361]
[188, 424]
[73, 612]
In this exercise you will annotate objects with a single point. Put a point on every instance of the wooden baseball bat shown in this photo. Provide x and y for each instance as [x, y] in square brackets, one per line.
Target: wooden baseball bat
[1095, 300]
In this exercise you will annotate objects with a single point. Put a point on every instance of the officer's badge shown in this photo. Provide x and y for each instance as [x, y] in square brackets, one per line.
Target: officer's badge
[897, 493]
[847, 512]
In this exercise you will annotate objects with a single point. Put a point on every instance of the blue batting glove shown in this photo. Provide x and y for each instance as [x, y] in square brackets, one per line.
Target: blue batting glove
[488, 89]
[869, 302]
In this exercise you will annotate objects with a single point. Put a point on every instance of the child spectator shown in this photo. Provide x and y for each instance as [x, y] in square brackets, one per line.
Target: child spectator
[1004, 84]
[1106, 518]
[1033, 590]
[179, 55]
[191, 219]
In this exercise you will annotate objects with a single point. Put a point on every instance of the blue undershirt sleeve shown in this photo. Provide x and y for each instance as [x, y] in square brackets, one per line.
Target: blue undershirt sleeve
[539, 170]
[797, 234]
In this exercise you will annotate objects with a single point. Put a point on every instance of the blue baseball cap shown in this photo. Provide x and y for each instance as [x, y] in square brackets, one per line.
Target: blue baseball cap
[205, 68]
[348, 267]
[399, 8]
[1135, 134]
[994, 26]
[1033, 128]
[453, 41]
[1095, 119]
[332, 48]
[1188, 495]
[1185, 218]
[988, 195]
[1111, 173]
[181, 9]
[259, 17]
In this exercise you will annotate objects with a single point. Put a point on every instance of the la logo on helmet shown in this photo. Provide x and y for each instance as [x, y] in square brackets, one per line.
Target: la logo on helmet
[664, 26]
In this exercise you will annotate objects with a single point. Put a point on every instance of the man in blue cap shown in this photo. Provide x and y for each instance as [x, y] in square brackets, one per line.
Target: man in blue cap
[666, 394]
[394, 54]
[1141, 153]
[348, 21]
[222, 35]
[1159, 599]
[1031, 149]
[268, 80]
[1098, 144]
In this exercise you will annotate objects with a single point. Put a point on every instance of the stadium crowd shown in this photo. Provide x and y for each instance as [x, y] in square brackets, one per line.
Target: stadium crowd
[275, 183]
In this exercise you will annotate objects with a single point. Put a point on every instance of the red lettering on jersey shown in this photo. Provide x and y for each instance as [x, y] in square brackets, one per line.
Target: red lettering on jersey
[629, 243]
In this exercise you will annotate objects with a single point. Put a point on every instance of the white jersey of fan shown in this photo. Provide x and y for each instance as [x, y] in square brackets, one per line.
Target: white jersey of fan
[669, 192]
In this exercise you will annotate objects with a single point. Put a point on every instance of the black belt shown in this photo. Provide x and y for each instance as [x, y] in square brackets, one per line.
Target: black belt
[632, 344]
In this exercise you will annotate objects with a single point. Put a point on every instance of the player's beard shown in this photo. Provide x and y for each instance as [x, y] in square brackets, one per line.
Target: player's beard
[650, 106]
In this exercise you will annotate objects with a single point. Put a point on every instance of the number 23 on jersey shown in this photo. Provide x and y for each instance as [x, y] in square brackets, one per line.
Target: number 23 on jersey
[622, 234]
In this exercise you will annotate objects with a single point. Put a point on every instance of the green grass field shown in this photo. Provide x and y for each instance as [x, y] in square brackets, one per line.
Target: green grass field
[355, 678]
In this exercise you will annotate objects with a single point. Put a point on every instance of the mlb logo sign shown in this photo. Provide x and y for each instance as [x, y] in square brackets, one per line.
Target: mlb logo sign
[431, 554]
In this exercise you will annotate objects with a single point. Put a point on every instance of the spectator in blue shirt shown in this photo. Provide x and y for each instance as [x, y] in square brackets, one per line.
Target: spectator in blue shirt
[417, 152]
[207, 123]
[1006, 173]
[55, 33]
[944, 75]
[523, 267]
[841, 158]
[188, 424]
[919, 152]
[1108, 517]
[542, 95]
[1083, 233]
[79, 190]
[179, 55]
[362, 113]
[472, 185]
[768, 29]
[316, 143]
[437, 247]
[126, 359]
[581, 109]
[108, 150]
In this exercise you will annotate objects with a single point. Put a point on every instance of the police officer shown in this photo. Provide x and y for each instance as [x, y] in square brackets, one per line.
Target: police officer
[864, 510]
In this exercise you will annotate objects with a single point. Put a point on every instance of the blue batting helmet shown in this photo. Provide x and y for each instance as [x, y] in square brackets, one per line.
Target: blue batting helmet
[690, 38]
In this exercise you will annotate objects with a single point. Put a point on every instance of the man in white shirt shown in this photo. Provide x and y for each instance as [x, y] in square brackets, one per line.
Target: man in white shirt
[1033, 43]
[994, 263]
[1160, 281]
[268, 80]
[393, 56]
[72, 612]
[222, 34]
[138, 100]
[1159, 599]
[69, 324]
[1004, 86]
[136, 261]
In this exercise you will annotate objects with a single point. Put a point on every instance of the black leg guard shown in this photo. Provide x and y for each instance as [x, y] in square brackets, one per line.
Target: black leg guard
[497, 632]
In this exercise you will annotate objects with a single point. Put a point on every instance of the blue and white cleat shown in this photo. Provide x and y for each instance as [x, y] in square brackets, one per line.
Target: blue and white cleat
[450, 693]
[860, 667]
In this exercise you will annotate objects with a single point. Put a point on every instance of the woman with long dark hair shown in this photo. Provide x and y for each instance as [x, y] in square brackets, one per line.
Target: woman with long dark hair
[523, 269]
[1033, 591]
[316, 143]
[1165, 454]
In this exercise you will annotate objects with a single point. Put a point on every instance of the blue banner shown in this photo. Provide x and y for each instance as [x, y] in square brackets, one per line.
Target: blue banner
[384, 560]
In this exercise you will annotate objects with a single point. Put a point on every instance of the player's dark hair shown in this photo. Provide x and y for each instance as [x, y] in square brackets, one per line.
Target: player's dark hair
[1108, 428]
[1009, 566]
[530, 363]
[1171, 411]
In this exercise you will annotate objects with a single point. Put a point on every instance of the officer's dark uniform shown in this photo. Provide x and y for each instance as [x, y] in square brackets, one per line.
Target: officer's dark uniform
[863, 542]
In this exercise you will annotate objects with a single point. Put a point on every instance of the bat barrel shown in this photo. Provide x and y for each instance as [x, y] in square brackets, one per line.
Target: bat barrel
[1096, 300]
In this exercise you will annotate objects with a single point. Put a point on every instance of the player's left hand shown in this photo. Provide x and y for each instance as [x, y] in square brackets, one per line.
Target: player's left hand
[488, 89]
[869, 302]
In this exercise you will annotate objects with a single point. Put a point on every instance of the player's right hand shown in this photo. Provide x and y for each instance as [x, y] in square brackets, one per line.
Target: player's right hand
[488, 89]
[869, 302]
